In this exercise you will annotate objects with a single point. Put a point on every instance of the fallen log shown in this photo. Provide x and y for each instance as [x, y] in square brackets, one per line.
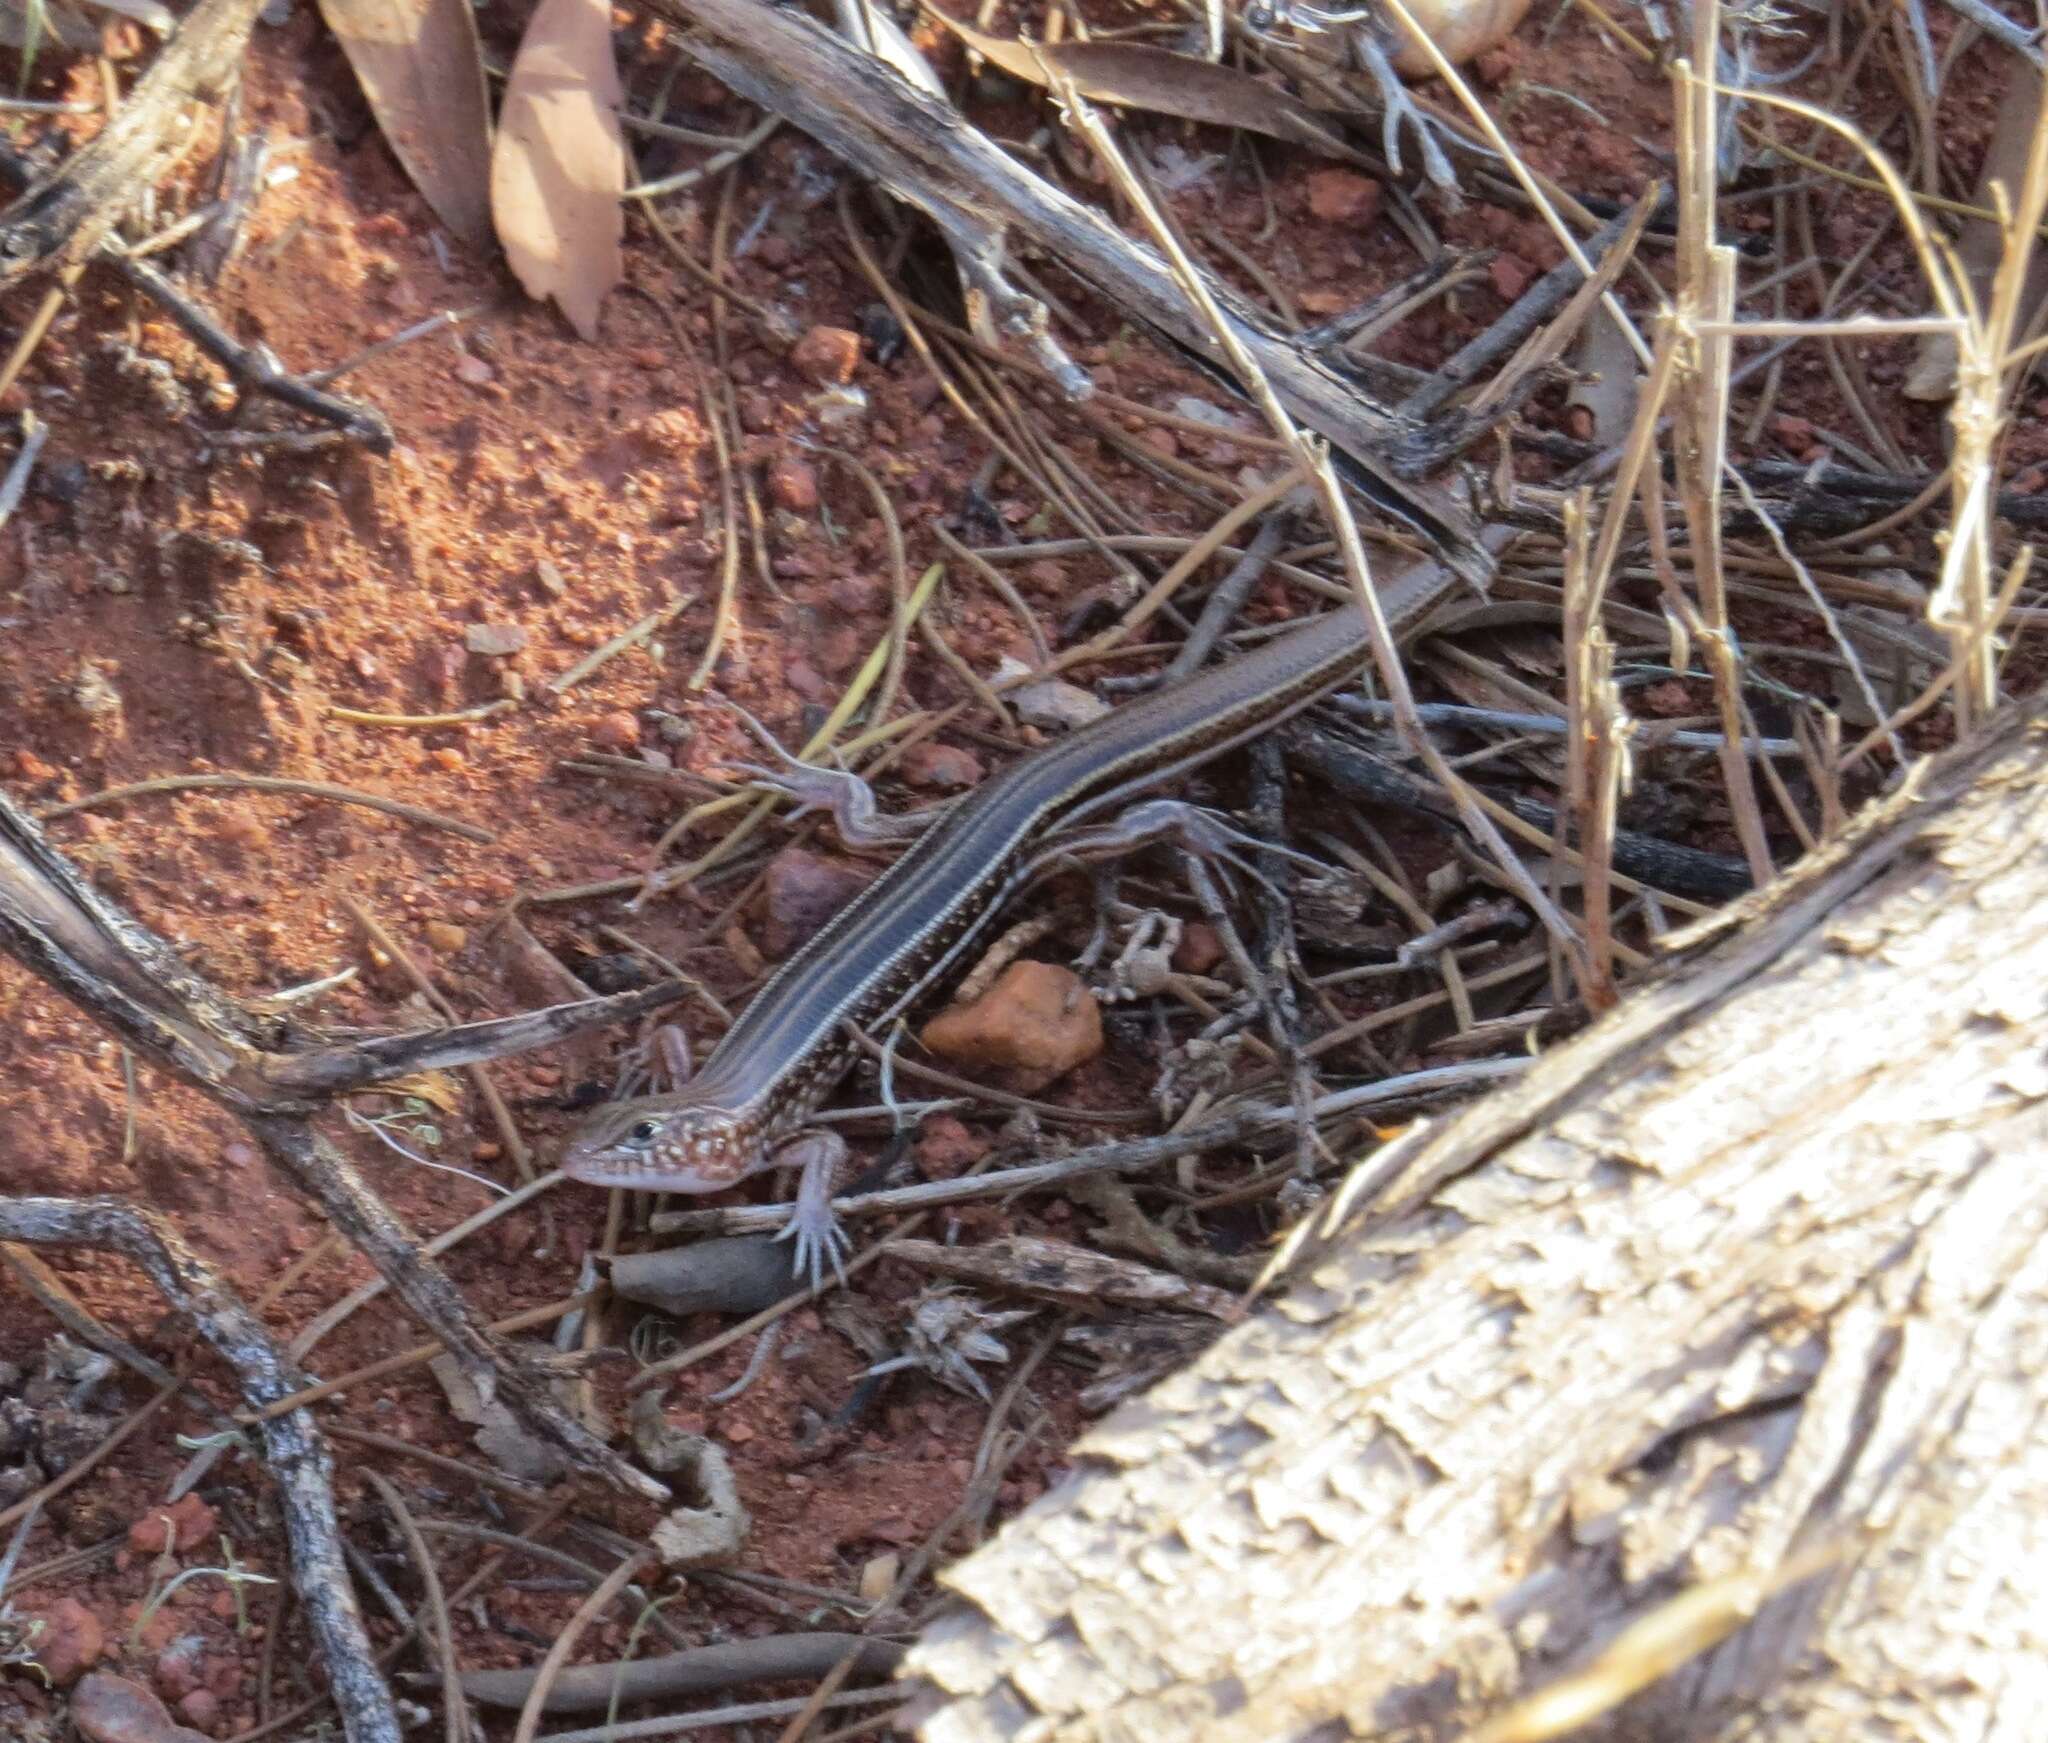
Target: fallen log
[1738, 1299]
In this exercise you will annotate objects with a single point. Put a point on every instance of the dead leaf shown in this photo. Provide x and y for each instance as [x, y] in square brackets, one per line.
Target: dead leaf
[1134, 76]
[560, 164]
[499, 1434]
[419, 65]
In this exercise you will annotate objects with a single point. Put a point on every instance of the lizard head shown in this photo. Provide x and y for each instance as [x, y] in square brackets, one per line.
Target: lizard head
[652, 1144]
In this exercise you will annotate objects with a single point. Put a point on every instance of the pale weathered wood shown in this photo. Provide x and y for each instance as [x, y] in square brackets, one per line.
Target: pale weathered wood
[1753, 1267]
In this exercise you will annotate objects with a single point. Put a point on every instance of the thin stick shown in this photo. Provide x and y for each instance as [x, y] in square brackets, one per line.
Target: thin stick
[659, 618]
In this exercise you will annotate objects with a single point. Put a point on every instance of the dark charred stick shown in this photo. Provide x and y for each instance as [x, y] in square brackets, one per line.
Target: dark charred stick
[1800, 494]
[1226, 599]
[1358, 774]
[293, 1449]
[1272, 897]
[129, 979]
[251, 365]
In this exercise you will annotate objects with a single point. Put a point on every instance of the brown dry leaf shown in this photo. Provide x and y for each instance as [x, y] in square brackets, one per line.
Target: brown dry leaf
[419, 65]
[1134, 76]
[560, 164]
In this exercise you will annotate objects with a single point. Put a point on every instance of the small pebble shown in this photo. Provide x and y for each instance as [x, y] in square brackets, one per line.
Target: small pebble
[944, 767]
[1056, 703]
[945, 1148]
[180, 1667]
[793, 485]
[445, 937]
[188, 1522]
[616, 731]
[1343, 196]
[827, 354]
[1511, 276]
[111, 1709]
[1199, 949]
[474, 371]
[805, 890]
[495, 639]
[70, 1642]
[200, 1709]
[1039, 1018]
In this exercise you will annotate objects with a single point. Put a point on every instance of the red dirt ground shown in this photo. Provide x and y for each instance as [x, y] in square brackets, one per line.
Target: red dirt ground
[228, 601]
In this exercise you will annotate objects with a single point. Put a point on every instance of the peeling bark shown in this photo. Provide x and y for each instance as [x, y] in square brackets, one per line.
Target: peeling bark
[1752, 1269]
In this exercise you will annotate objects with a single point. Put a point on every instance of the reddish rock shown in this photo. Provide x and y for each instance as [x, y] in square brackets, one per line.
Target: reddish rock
[1038, 1019]
[805, 890]
[674, 433]
[1199, 949]
[180, 1667]
[1343, 196]
[495, 640]
[1664, 701]
[858, 595]
[802, 678]
[1495, 67]
[69, 1643]
[111, 1709]
[188, 1523]
[945, 1148]
[1794, 431]
[827, 355]
[201, 1710]
[793, 484]
[945, 767]
[616, 731]
[1511, 275]
[31, 767]
[839, 647]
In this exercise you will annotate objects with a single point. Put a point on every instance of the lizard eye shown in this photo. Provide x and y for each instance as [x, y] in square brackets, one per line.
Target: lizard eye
[643, 1133]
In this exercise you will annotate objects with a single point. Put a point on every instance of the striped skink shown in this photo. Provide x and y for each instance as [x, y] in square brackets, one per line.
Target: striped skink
[790, 1047]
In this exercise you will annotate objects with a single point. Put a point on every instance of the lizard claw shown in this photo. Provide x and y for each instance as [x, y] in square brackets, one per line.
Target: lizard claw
[811, 1225]
[816, 1240]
